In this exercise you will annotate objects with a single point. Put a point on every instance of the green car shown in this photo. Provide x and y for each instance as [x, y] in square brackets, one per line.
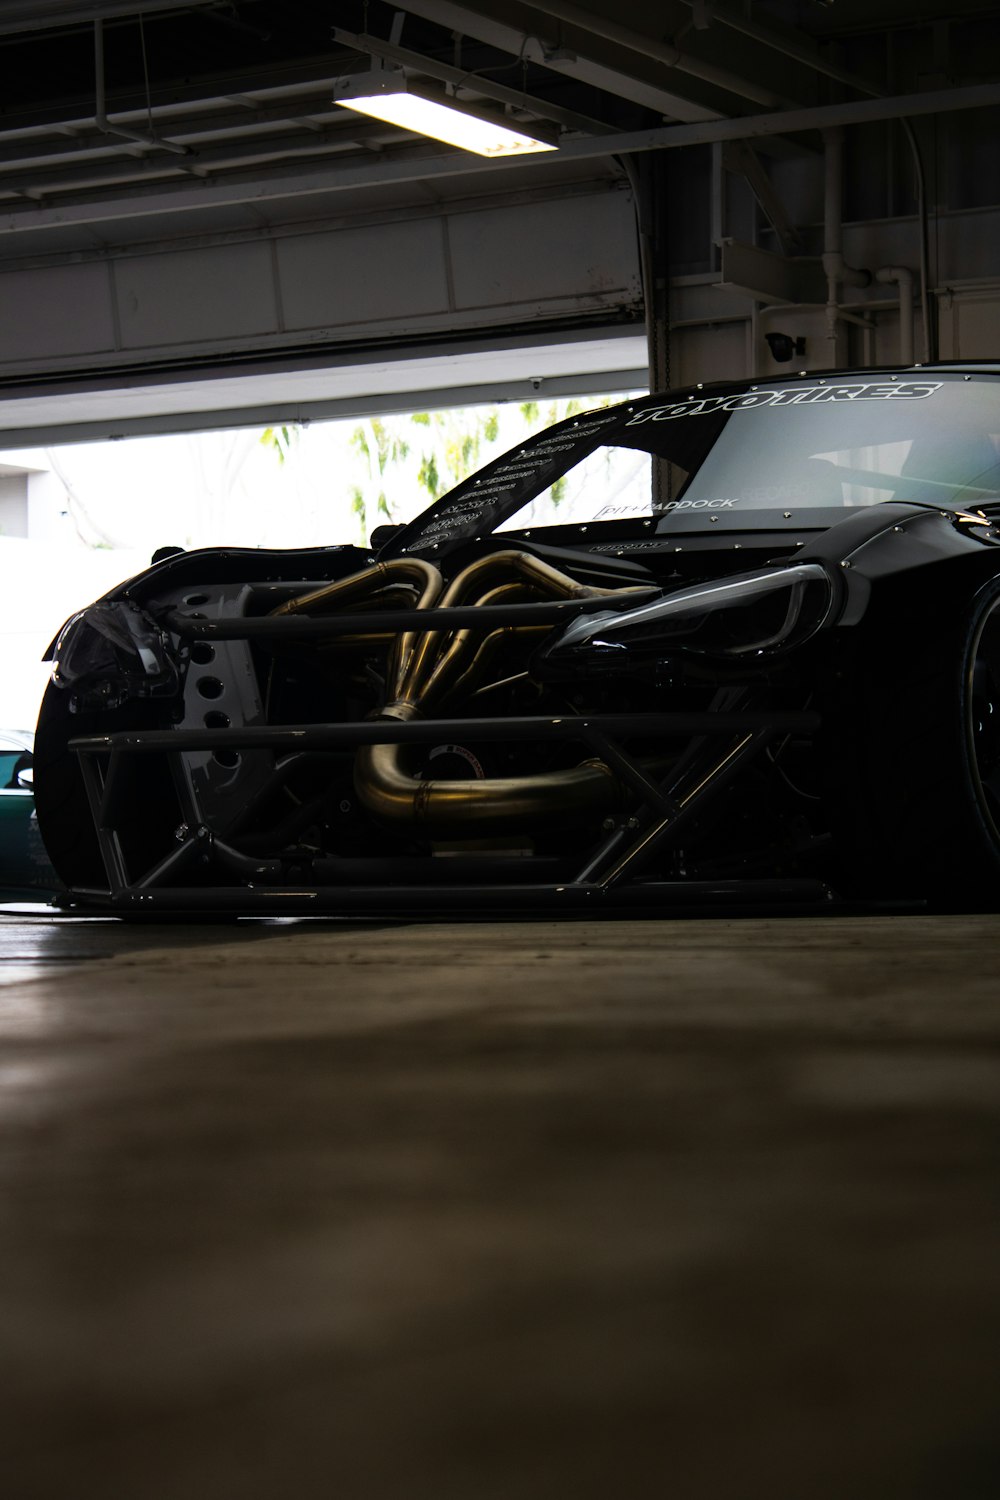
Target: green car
[25, 871]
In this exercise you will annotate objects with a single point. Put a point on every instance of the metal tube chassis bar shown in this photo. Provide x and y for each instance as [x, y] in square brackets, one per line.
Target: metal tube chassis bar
[606, 879]
[276, 628]
[433, 731]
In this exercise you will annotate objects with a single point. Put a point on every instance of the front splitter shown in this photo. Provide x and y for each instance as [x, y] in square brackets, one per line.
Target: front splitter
[653, 898]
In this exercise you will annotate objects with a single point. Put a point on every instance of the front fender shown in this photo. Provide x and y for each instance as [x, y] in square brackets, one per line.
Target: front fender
[885, 541]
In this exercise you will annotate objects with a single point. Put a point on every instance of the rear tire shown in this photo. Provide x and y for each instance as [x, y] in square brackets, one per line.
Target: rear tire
[914, 754]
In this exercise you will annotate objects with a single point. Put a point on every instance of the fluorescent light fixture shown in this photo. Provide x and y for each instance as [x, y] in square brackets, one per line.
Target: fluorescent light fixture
[387, 94]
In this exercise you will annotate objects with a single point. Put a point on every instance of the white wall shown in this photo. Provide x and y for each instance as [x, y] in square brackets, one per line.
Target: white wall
[39, 587]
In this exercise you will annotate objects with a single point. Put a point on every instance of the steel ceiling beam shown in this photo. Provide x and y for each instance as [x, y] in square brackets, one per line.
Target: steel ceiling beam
[593, 70]
[789, 44]
[414, 166]
[78, 152]
[44, 15]
[664, 52]
[287, 102]
[121, 173]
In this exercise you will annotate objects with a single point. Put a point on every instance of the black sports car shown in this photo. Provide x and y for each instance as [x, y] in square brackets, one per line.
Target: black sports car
[739, 642]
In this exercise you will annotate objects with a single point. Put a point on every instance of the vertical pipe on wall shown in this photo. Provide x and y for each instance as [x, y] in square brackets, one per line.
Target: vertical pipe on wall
[838, 273]
[649, 178]
[903, 278]
[833, 187]
[928, 317]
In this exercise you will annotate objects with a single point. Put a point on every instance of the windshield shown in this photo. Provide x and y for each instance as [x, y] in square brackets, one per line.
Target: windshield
[757, 456]
[928, 443]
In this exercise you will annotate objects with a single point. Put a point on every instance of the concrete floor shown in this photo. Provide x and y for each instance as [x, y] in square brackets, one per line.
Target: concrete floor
[706, 1209]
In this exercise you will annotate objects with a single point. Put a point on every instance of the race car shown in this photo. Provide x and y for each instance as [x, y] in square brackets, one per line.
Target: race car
[727, 645]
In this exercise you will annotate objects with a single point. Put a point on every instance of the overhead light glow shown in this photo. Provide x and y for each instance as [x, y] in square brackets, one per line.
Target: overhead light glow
[390, 96]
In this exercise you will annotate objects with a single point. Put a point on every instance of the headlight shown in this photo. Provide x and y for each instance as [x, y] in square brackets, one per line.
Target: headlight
[111, 652]
[751, 614]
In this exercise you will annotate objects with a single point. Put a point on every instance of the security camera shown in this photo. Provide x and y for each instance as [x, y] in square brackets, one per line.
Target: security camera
[784, 347]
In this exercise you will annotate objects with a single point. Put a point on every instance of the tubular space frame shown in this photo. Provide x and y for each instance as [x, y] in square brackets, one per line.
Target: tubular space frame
[627, 847]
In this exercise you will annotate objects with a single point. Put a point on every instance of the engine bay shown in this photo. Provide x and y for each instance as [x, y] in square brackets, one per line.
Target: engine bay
[406, 725]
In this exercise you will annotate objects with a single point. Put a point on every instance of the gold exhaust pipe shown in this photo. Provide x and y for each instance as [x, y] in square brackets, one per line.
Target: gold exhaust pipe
[426, 666]
[368, 581]
[390, 793]
[371, 581]
[438, 664]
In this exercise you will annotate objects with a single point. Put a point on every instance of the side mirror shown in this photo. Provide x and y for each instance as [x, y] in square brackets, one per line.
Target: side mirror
[383, 534]
[26, 779]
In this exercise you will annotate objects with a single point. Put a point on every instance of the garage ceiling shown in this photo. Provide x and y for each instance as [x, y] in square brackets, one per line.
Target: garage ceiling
[221, 111]
[129, 126]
